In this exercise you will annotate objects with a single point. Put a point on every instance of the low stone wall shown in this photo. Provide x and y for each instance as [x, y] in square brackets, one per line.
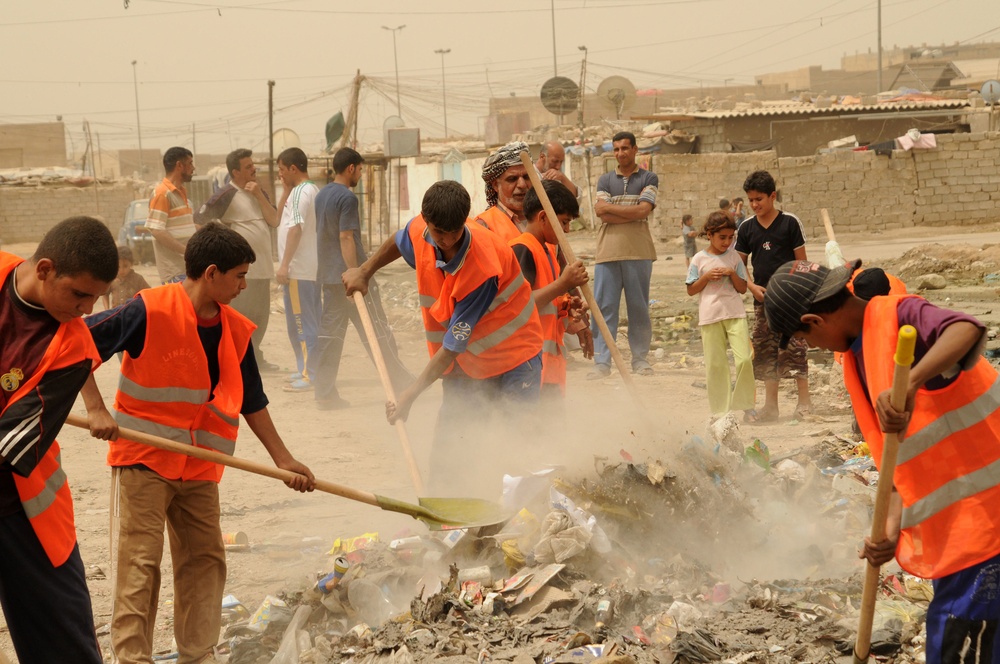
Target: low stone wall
[956, 183]
[27, 213]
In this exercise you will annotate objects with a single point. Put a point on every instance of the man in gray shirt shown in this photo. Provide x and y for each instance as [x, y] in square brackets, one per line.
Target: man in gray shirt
[243, 206]
[338, 228]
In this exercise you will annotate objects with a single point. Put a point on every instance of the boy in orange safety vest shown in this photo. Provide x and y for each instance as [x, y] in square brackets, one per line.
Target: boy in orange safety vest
[483, 333]
[46, 355]
[944, 517]
[535, 250]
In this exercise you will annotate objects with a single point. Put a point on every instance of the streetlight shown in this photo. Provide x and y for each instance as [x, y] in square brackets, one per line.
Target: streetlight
[396, 60]
[138, 126]
[444, 96]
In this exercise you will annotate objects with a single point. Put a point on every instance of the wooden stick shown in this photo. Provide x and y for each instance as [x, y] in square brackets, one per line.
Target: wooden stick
[231, 461]
[390, 393]
[829, 226]
[900, 381]
[588, 292]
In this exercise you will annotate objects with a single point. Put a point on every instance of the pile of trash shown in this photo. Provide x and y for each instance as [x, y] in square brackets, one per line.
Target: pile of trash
[720, 554]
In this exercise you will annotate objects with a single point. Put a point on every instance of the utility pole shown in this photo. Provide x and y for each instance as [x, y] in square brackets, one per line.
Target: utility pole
[444, 95]
[270, 134]
[194, 142]
[878, 77]
[555, 67]
[583, 80]
[350, 135]
[395, 58]
[138, 125]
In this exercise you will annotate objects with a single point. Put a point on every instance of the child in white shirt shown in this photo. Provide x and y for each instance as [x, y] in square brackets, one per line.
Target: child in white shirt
[719, 278]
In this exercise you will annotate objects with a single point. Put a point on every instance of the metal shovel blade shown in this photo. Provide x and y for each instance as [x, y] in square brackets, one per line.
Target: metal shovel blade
[448, 513]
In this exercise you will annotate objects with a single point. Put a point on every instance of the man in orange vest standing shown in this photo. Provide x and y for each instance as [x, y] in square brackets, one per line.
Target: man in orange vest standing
[46, 355]
[551, 285]
[483, 332]
[506, 184]
[944, 516]
[188, 373]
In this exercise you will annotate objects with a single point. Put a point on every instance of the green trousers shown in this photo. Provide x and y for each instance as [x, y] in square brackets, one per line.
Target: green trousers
[723, 394]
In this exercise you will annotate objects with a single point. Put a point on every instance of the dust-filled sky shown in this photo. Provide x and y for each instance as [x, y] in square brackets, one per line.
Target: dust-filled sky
[204, 65]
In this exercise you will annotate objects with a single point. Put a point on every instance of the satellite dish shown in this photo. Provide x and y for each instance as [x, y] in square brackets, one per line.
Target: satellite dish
[392, 122]
[284, 139]
[991, 92]
[617, 93]
[560, 95]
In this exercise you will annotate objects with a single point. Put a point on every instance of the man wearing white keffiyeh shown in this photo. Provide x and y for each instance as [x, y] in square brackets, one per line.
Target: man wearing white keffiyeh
[506, 184]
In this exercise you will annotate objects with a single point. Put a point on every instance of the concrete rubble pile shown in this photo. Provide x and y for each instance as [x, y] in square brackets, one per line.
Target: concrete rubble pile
[641, 561]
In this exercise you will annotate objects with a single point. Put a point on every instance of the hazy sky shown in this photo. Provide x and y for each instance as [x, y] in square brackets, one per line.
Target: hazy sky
[206, 63]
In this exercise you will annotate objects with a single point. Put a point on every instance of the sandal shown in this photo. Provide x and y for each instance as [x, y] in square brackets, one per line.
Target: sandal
[751, 416]
[802, 412]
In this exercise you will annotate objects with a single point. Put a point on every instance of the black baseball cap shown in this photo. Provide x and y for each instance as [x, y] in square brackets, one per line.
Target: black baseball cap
[871, 282]
[793, 289]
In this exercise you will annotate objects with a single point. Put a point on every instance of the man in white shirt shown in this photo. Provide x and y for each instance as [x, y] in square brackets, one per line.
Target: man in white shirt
[244, 206]
[297, 269]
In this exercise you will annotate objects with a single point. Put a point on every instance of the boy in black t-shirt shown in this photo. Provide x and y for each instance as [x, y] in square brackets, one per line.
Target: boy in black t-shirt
[770, 239]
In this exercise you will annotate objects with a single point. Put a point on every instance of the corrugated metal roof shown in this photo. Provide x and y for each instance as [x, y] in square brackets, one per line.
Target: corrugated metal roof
[797, 108]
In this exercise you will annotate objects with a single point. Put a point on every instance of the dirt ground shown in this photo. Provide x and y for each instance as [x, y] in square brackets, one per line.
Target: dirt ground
[291, 533]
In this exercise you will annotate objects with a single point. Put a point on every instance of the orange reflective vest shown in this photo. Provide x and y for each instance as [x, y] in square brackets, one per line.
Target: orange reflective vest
[495, 219]
[45, 493]
[948, 472]
[167, 390]
[553, 327]
[509, 334]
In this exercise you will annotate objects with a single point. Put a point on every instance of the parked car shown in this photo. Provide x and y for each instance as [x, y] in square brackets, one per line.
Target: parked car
[133, 233]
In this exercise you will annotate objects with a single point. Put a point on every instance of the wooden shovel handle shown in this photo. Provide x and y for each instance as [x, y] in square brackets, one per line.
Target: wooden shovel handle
[390, 393]
[890, 447]
[588, 293]
[828, 225]
[231, 461]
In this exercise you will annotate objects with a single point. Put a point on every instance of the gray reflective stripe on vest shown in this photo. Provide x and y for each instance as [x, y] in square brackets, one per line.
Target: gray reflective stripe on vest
[214, 441]
[161, 394]
[508, 292]
[232, 421]
[497, 336]
[551, 347]
[176, 434]
[35, 506]
[951, 422]
[948, 494]
[548, 309]
[436, 337]
[427, 301]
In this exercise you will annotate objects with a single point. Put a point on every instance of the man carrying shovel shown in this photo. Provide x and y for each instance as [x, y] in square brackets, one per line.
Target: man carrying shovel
[188, 373]
[943, 518]
[483, 332]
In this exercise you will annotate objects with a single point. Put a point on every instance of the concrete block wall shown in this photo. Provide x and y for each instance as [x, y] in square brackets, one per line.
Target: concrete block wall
[959, 182]
[956, 183]
[27, 213]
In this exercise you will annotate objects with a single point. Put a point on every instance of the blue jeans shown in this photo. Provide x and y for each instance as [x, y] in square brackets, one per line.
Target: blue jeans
[966, 605]
[303, 307]
[609, 280]
[468, 404]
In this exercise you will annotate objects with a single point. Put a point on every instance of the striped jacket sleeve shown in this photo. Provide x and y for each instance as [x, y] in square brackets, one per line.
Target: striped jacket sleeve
[29, 425]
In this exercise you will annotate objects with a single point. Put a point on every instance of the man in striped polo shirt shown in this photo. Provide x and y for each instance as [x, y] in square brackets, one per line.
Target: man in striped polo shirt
[170, 220]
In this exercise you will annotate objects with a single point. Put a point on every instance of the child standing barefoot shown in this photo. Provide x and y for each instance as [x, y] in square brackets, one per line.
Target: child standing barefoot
[719, 276]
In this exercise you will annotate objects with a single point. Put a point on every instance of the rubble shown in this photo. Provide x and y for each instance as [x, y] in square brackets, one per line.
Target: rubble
[621, 565]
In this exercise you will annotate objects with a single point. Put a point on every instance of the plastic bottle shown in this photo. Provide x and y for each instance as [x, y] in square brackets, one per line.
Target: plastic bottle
[605, 609]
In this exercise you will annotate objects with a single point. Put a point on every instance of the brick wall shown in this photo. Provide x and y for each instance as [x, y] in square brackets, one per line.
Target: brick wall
[26, 213]
[956, 183]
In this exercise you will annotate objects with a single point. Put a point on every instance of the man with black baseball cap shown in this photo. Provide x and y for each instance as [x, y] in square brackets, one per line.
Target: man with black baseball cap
[944, 516]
